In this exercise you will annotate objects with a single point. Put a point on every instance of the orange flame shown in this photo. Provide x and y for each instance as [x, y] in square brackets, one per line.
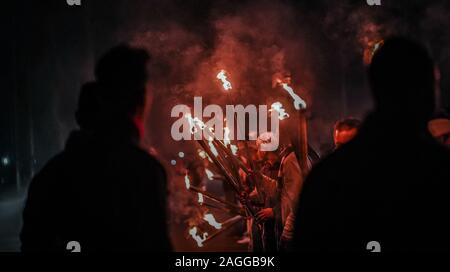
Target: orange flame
[278, 107]
[370, 50]
[212, 147]
[212, 221]
[223, 78]
[187, 181]
[194, 123]
[209, 174]
[196, 237]
[299, 103]
[200, 198]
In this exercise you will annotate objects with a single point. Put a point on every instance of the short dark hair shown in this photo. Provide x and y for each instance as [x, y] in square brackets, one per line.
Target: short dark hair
[121, 75]
[402, 79]
[347, 124]
[117, 93]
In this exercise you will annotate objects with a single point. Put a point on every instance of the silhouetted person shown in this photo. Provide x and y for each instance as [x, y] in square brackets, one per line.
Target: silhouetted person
[390, 184]
[102, 191]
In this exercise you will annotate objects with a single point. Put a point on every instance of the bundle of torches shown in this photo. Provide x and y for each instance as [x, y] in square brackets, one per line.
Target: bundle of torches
[223, 155]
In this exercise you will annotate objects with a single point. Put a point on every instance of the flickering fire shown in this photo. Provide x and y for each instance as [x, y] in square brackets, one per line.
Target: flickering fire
[226, 136]
[227, 141]
[209, 174]
[212, 147]
[377, 46]
[212, 221]
[199, 239]
[187, 181]
[200, 198]
[234, 149]
[369, 50]
[299, 103]
[194, 123]
[278, 107]
[223, 78]
[204, 155]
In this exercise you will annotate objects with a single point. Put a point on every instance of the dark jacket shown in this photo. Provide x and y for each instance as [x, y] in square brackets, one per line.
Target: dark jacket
[101, 191]
[388, 185]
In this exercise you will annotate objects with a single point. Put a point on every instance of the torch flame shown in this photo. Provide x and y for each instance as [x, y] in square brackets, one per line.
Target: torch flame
[223, 78]
[298, 102]
[204, 155]
[234, 149]
[377, 46]
[195, 123]
[212, 147]
[200, 198]
[227, 141]
[226, 136]
[278, 107]
[209, 174]
[212, 221]
[187, 182]
[370, 49]
[197, 238]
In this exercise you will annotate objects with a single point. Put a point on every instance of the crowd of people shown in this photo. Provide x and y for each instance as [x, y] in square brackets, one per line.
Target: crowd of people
[387, 179]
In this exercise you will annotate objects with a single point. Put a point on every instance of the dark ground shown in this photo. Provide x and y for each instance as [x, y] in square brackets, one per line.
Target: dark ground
[11, 206]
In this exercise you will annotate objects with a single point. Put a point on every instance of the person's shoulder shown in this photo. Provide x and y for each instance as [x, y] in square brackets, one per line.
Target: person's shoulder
[146, 159]
[49, 172]
[335, 165]
[55, 163]
[337, 156]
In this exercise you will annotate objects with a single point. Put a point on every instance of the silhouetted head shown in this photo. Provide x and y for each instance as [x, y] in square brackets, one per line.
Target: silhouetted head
[87, 114]
[345, 130]
[124, 67]
[115, 102]
[402, 80]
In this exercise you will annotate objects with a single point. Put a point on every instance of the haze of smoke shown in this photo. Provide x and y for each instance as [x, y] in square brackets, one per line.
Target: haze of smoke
[256, 41]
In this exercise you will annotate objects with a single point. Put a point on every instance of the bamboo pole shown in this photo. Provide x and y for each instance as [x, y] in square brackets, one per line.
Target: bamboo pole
[225, 225]
[228, 177]
[213, 197]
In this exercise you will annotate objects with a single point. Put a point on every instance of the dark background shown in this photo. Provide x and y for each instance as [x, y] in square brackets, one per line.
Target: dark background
[49, 50]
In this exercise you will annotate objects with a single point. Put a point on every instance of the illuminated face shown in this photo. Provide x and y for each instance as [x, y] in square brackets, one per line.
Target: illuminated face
[343, 136]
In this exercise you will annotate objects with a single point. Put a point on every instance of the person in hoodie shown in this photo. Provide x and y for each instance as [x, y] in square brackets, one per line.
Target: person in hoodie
[102, 191]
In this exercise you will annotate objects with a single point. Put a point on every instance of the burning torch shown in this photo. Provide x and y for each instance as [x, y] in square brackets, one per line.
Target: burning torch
[302, 139]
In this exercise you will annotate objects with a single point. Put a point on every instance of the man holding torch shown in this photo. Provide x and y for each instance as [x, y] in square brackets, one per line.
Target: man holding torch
[284, 192]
